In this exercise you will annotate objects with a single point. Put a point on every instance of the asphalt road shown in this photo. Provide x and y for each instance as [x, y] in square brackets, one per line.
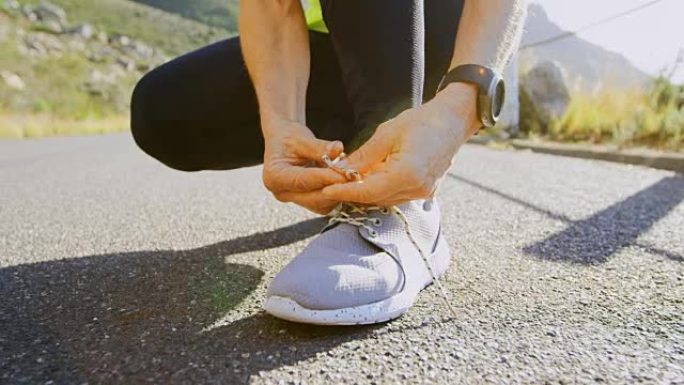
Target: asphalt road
[114, 269]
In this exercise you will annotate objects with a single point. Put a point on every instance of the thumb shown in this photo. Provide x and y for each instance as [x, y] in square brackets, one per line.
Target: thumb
[313, 148]
[374, 151]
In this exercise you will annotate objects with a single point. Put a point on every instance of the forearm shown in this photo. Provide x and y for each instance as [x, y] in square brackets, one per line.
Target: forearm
[275, 46]
[489, 34]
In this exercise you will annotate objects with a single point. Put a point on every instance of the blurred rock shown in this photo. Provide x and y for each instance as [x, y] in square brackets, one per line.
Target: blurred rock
[546, 88]
[42, 44]
[46, 11]
[140, 50]
[126, 63]
[29, 13]
[132, 47]
[12, 80]
[45, 16]
[12, 6]
[101, 83]
[102, 37]
[51, 26]
[77, 45]
[83, 31]
[134, 54]
[103, 54]
[7, 30]
[110, 77]
[98, 83]
[119, 41]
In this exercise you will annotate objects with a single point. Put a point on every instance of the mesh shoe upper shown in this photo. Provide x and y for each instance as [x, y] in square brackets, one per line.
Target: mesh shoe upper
[349, 266]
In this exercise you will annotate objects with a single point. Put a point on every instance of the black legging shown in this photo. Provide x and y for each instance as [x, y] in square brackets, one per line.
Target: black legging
[199, 111]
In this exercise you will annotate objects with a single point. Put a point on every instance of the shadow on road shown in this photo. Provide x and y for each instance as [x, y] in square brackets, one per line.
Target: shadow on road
[138, 317]
[595, 239]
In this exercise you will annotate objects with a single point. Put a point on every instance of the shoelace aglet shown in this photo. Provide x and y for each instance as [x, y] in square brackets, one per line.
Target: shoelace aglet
[333, 164]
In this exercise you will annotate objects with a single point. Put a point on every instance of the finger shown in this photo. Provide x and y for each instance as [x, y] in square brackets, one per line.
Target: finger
[314, 201]
[393, 201]
[407, 194]
[374, 151]
[373, 189]
[303, 179]
[313, 148]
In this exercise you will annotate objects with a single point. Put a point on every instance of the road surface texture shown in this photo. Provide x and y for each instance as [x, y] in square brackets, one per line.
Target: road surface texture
[115, 269]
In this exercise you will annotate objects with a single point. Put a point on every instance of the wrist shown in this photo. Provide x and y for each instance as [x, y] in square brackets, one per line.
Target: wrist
[275, 115]
[274, 124]
[460, 100]
[278, 130]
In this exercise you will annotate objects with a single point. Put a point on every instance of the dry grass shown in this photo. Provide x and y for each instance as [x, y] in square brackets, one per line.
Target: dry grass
[622, 118]
[35, 126]
[652, 118]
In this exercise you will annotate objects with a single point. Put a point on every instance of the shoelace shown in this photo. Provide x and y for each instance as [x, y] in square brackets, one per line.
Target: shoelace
[357, 215]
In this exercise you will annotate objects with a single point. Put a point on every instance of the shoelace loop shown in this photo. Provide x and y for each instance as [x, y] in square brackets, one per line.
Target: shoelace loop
[358, 216]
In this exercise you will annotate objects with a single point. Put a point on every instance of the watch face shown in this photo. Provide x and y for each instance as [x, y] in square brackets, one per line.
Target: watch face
[498, 98]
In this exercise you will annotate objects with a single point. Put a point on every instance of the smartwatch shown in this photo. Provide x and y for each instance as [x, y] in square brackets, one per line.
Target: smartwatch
[491, 92]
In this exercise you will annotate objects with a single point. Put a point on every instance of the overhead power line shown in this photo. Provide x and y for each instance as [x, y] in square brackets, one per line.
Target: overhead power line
[589, 26]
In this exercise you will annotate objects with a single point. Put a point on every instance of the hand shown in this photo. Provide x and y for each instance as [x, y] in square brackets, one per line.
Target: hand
[292, 169]
[408, 156]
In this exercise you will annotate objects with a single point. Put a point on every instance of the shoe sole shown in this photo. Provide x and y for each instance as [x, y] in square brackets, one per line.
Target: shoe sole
[377, 312]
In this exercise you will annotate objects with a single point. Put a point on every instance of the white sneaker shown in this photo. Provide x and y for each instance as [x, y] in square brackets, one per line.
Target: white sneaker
[365, 267]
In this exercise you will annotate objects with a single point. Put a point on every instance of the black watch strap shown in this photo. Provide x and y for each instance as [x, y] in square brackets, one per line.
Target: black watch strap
[470, 73]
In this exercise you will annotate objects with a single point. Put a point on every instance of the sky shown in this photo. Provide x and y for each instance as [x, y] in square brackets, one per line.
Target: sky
[650, 38]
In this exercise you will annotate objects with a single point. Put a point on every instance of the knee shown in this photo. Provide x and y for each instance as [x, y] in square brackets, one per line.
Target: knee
[147, 123]
[143, 128]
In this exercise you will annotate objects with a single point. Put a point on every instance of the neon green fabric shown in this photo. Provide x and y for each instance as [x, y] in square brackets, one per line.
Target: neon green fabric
[314, 16]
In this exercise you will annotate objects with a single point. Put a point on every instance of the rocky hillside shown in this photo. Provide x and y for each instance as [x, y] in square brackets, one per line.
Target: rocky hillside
[588, 67]
[218, 13]
[83, 64]
[166, 31]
